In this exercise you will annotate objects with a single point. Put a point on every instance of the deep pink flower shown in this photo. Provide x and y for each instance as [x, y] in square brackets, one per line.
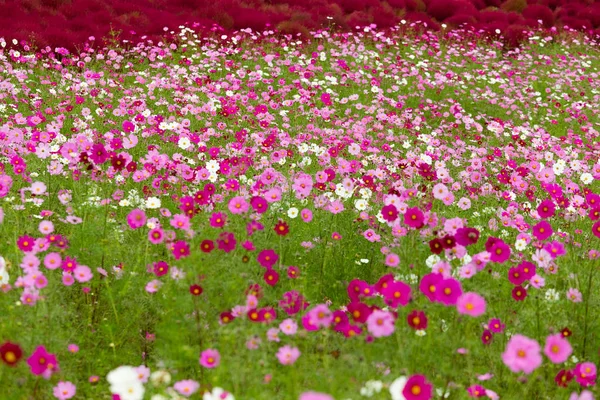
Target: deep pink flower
[267, 258]
[396, 293]
[546, 209]
[471, 303]
[210, 358]
[417, 388]
[414, 218]
[555, 249]
[156, 236]
[25, 243]
[160, 268]
[180, 249]
[42, 363]
[496, 325]
[428, 285]
[499, 252]
[542, 230]
[585, 373]
[557, 348]
[136, 218]
[448, 291]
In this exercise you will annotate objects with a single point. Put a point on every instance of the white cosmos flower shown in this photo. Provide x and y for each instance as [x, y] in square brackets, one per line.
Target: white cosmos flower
[397, 387]
[125, 382]
[184, 143]
[292, 212]
[153, 202]
[4, 277]
[218, 394]
[360, 204]
[520, 244]
[160, 377]
[587, 178]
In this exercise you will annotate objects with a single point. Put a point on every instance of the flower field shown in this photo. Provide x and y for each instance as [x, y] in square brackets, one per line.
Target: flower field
[399, 214]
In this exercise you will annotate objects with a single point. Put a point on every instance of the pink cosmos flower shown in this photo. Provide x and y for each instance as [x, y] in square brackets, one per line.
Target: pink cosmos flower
[585, 373]
[136, 218]
[585, 395]
[314, 396]
[180, 221]
[153, 286]
[186, 387]
[73, 348]
[64, 390]
[156, 236]
[392, 260]
[471, 303]
[574, 295]
[238, 205]
[82, 273]
[320, 316]
[288, 327]
[288, 355]
[557, 348]
[210, 358]
[272, 335]
[46, 227]
[143, 373]
[68, 279]
[555, 249]
[381, 323]
[306, 215]
[522, 354]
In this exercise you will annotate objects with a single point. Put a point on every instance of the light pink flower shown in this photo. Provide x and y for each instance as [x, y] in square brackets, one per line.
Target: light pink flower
[288, 355]
[522, 354]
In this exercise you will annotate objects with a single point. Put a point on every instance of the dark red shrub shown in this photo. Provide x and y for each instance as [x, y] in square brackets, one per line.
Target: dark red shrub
[486, 16]
[461, 19]
[539, 12]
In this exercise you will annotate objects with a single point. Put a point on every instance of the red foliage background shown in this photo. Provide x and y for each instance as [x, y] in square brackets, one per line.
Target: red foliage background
[69, 23]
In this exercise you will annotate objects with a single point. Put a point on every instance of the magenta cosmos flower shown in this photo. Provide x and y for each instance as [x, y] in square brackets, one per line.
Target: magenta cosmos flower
[414, 218]
[447, 291]
[417, 388]
[42, 363]
[522, 354]
[471, 303]
[210, 358]
[136, 218]
[557, 348]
